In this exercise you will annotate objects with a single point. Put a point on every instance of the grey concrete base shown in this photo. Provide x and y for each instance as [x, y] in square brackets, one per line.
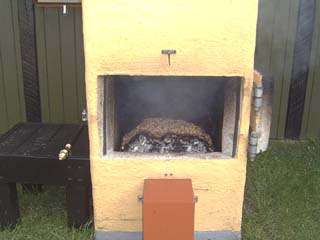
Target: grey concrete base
[108, 235]
[218, 235]
[214, 235]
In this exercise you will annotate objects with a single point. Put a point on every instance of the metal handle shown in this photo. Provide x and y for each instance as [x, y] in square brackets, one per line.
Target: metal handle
[168, 52]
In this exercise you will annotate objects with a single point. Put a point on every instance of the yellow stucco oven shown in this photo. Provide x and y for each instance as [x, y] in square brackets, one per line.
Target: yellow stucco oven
[170, 66]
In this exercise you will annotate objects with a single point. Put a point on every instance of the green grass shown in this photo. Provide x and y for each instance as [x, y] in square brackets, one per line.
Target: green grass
[283, 193]
[44, 217]
[282, 200]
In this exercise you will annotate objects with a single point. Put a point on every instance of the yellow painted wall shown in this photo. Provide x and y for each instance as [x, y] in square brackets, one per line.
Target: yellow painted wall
[218, 184]
[213, 38]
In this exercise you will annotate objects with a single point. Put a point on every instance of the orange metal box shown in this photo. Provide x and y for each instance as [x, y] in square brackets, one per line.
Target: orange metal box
[168, 209]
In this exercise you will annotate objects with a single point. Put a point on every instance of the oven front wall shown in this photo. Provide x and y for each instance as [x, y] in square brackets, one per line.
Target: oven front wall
[212, 38]
[118, 181]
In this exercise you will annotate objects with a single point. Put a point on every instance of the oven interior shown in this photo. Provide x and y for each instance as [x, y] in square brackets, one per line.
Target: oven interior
[211, 104]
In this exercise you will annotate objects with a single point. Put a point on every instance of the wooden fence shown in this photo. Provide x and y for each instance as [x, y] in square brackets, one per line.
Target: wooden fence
[61, 64]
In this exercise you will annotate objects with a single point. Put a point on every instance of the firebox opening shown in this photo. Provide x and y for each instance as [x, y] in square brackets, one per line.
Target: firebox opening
[164, 114]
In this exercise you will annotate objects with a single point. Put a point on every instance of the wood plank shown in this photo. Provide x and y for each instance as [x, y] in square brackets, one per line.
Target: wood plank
[59, 140]
[277, 63]
[80, 60]
[11, 76]
[17, 137]
[42, 63]
[68, 66]
[54, 71]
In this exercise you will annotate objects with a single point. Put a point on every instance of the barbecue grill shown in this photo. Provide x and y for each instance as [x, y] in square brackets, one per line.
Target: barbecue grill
[174, 105]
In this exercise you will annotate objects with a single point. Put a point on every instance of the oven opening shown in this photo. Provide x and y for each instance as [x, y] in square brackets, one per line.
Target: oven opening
[171, 114]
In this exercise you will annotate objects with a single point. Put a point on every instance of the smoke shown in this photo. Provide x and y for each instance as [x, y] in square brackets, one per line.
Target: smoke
[194, 99]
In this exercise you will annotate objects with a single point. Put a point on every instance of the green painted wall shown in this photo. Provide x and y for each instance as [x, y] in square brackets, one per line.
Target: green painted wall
[276, 33]
[61, 64]
[274, 55]
[311, 117]
[12, 107]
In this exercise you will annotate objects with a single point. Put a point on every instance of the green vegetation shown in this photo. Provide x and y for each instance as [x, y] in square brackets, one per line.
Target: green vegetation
[283, 192]
[281, 202]
[44, 218]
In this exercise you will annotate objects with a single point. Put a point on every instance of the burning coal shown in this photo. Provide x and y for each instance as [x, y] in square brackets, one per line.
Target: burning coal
[157, 135]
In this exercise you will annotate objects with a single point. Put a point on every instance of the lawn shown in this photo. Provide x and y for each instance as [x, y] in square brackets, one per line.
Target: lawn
[44, 218]
[282, 200]
[283, 193]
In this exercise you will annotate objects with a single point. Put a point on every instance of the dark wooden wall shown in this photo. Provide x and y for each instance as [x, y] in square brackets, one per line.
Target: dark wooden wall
[61, 64]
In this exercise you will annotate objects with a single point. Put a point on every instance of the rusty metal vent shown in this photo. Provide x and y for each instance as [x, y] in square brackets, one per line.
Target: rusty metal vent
[168, 209]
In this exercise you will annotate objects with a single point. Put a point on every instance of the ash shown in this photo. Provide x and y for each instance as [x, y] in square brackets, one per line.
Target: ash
[169, 143]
